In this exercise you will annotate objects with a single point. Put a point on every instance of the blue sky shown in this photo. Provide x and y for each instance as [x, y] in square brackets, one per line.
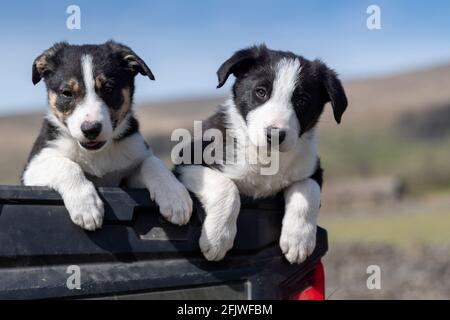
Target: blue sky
[184, 42]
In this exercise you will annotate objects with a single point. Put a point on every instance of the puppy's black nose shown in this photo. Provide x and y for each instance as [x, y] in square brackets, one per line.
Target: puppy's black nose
[272, 132]
[91, 130]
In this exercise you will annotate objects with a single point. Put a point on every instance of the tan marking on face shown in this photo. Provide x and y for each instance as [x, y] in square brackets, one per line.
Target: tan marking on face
[52, 98]
[118, 115]
[75, 87]
[99, 80]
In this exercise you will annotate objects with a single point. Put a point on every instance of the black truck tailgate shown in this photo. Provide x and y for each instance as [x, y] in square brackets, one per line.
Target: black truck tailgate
[137, 254]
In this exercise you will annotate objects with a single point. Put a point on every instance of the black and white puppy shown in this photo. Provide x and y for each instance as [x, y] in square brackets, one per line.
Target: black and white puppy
[278, 94]
[91, 138]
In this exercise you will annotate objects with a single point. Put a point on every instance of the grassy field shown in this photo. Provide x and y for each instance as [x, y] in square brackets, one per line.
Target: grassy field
[422, 164]
[426, 228]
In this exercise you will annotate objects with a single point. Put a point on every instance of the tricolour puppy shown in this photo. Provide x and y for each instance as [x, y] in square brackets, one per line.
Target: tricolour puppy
[91, 138]
[276, 96]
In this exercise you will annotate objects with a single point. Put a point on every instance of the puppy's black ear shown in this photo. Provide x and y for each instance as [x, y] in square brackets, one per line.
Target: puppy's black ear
[334, 91]
[239, 63]
[132, 60]
[44, 64]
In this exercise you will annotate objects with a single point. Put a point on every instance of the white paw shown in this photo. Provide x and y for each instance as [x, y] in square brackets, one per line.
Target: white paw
[175, 203]
[85, 208]
[215, 241]
[298, 240]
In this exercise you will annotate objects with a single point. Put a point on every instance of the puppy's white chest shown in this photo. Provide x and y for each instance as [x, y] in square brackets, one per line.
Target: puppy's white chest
[259, 180]
[108, 161]
[111, 179]
[110, 164]
[256, 185]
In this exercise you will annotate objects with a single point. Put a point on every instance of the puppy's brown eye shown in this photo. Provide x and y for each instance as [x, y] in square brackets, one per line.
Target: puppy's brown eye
[261, 92]
[67, 93]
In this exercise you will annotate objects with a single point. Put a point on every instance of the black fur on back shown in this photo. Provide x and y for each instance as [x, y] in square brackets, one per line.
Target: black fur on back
[49, 132]
[318, 174]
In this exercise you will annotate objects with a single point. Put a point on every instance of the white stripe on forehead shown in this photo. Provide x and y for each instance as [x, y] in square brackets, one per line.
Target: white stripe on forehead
[88, 74]
[286, 76]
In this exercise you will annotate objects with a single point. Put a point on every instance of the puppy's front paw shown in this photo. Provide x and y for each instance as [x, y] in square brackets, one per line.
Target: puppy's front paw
[298, 241]
[175, 203]
[215, 241]
[85, 208]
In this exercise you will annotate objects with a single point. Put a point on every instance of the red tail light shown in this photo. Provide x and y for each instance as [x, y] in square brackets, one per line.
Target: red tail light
[310, 287]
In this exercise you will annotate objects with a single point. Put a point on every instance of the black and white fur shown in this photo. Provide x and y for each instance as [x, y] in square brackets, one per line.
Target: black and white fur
[90, 137]
[286, 93]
